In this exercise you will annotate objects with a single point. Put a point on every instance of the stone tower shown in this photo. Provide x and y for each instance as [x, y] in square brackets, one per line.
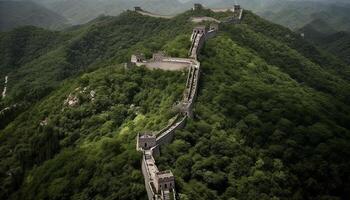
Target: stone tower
[236, 7]
[137, 58]
[138, 8]
[197, 6]
[146, 141]
[164, 180]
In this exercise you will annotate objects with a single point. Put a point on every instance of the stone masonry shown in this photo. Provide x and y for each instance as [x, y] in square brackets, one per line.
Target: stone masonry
[160, 185]
[146, 141]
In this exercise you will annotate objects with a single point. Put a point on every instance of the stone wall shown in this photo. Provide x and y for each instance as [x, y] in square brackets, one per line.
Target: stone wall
[167, 136]
[153, 178]
[146, 141]
[146, 13]
[197, 44]
[194, 91]
[171, 66]
[163, 63]
[146, 176]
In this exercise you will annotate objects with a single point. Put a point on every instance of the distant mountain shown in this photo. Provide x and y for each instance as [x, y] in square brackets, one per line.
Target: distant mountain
[318, 26]
[20, 13]
[325, 37]
[82, 11]
[296, 14]
[338, 44]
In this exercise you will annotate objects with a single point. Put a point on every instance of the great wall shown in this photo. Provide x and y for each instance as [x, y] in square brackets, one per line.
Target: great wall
[160, 185]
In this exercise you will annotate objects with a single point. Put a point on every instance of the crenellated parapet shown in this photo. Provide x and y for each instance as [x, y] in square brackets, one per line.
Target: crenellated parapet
[237, 15]
[160, 61]
[146, 141]
[237, 11]
[164, 180]
[160, 185]
[199, 35]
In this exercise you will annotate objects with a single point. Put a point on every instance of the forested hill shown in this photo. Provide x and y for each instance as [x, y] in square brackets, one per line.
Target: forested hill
[271, 120]
[322, 35]
[20, 13]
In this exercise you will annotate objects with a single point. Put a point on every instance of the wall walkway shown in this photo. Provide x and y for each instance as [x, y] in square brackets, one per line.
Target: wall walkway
[165, 136]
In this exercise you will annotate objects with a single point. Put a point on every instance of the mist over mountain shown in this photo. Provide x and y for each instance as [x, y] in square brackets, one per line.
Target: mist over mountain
[20, 13]
[295, 15]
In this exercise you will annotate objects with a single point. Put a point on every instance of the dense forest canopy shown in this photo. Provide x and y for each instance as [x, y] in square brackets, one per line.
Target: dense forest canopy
[271, 120]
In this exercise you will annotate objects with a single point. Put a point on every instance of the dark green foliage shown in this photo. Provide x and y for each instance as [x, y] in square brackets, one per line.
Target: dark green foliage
[337, 43]
[25, 44]
[260, 134]
[89, 147]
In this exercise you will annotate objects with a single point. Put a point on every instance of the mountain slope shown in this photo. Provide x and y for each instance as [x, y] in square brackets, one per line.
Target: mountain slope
[258, 134]
[296, 14]
[20, 13]
[262, 131]
[271, 121]
[86, 48]
[337, 43]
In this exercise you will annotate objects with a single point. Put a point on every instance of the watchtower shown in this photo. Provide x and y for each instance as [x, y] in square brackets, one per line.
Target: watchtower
[138, 8]
[165, 181]
[236, 7]
[157, 57]
[137, 58]
[197, 6]
[200, 29]
[146, 141]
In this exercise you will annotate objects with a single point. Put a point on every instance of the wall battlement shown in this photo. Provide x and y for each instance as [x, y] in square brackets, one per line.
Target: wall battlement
[160, 184]
[146, 141]
[236, 9]
[161, 61]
